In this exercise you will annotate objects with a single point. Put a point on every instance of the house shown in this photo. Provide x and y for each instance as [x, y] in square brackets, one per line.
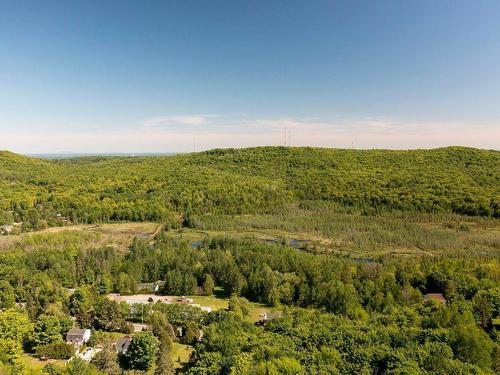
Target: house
[179, 331]
[122, 344]
[140, 327]
[268, 316]
[149, 287]
[435, 297]
[199, 336]
[6, 229]
[64, 219]
[78, 337]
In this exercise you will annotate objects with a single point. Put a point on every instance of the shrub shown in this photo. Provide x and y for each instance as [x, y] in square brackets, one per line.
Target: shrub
[57, 350]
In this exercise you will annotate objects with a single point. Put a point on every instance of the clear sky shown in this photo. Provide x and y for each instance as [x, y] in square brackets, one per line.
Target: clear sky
[173, 76]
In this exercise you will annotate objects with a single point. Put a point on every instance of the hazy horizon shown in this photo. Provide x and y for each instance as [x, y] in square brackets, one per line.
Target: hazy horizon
[126, 77]
[69, 154]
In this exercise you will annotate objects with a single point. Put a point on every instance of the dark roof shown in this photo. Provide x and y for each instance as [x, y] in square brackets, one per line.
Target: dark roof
[122, 344]
[76, 332]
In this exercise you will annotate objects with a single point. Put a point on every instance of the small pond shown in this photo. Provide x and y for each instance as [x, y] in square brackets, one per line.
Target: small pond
[298, 243]
[364, 260]
[196, 244]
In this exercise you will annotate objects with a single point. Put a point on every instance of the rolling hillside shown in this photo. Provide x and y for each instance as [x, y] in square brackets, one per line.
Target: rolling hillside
[242, 181]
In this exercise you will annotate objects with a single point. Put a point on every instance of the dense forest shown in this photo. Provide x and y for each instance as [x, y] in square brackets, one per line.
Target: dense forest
[40, 193]
[339, 316]
[373, 262]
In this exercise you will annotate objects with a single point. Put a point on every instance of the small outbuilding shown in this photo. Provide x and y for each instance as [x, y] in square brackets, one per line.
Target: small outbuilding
[122, 344]
[78, 337]
[200, 335]
[179, 331]
[6, 229]
[268, 316]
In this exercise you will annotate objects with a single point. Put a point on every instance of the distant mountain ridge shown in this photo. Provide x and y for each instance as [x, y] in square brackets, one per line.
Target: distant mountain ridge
[70, 155]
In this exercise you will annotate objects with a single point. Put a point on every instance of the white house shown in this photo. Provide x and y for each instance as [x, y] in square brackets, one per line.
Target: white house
[78, 337]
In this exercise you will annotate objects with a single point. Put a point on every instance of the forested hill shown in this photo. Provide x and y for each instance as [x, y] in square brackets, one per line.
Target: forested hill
[17, 166]
[252, 180]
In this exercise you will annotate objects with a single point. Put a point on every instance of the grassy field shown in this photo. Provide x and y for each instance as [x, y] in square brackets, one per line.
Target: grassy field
[214, 302]
[217, 302]
[34, 365]
[180, 354]
[119, 236]
[326, 230]
[256, 309]
[351, 232]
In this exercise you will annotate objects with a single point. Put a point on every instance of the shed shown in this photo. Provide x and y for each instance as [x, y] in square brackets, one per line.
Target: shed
[122, 344]
[6, 229]
[268, 316]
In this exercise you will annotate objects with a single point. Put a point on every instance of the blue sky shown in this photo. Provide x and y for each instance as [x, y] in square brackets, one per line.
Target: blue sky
[174, 76]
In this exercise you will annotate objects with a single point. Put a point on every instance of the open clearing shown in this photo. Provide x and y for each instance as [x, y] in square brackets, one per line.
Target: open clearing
[34, 365]
[361, 237]
[117, 235]
[217, 303]
[180, 354]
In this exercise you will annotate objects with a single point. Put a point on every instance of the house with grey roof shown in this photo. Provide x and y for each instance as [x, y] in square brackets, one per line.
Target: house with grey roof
[122, 344]
[78, 337]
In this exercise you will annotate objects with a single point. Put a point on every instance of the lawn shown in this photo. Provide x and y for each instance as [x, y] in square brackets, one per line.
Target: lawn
[216, 303]
[35, 366]
[256, 309]
[180, 354]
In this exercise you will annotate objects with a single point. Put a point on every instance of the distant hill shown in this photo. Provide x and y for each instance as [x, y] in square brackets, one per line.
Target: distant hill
[10, 161]
[251, 180]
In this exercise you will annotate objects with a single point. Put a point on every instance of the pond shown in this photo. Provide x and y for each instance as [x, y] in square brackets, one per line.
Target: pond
[298, 243]
[271, 240]
[292, 242]
[364, 260]
[196, 244]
